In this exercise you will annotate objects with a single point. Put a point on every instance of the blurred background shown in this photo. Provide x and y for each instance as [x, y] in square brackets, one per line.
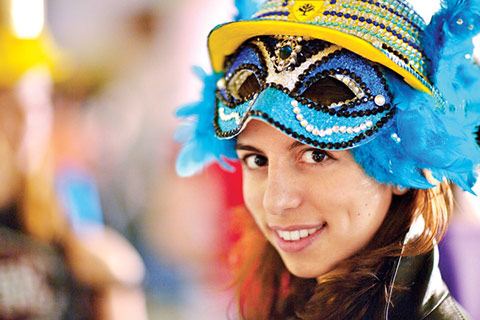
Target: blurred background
[94, 222]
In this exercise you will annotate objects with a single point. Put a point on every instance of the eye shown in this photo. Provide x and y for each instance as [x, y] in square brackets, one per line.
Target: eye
[314, 156]
[243, 84]
[255, 161]
[327, 91]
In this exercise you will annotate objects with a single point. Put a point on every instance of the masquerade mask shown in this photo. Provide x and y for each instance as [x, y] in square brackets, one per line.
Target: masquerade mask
[314, 91]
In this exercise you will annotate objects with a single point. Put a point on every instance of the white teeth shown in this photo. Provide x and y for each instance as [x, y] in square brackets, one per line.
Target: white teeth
[297, 234]
[303, 233]
[285, 235]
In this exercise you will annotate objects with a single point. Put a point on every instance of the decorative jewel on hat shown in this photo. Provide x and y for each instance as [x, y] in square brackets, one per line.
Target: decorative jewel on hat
[286, 52]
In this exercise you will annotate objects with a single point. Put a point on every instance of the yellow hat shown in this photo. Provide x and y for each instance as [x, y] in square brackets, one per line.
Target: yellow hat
[19, 55]
[385, 31]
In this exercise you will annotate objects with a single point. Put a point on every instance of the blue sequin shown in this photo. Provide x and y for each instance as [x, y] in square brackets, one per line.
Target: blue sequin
[274, 13]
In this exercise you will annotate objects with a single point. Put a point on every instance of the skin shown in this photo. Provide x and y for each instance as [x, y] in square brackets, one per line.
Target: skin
[287, 184]
[11, 133]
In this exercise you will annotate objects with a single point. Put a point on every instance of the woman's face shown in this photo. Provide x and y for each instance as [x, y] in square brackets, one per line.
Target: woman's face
[316, 208]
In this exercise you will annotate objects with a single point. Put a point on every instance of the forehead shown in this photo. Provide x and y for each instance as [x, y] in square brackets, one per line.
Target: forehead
[260, 132]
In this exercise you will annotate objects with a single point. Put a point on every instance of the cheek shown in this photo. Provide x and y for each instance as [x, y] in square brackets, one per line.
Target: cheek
[362, 205]
[253, 195]
[369, 212]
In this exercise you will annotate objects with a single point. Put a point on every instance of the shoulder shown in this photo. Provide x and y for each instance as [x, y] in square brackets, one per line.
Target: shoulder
[448, 309]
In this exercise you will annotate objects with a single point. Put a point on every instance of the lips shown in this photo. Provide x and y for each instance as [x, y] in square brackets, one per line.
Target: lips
[296, 239]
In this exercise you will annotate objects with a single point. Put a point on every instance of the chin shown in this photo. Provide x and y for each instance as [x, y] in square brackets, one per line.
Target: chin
[306, 270]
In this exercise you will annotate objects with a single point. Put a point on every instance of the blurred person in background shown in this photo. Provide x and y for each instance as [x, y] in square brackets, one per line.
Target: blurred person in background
[52, 266]
[138, 49]
[313, 248]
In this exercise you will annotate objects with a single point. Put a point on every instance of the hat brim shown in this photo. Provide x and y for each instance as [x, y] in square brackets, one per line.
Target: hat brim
[226, 38]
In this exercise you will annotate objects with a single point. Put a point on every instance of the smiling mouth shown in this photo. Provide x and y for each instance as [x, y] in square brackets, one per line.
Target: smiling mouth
[297, 235]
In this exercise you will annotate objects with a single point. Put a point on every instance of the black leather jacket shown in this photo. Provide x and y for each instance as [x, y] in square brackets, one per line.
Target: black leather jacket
[425, 296]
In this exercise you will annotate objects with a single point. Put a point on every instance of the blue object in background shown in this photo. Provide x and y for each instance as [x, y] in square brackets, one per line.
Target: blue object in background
[79, 196]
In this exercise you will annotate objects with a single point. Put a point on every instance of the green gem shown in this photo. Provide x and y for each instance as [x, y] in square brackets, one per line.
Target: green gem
[285, 52]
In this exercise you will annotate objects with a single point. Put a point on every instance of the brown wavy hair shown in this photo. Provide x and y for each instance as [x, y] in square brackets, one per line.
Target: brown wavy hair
[266, 290]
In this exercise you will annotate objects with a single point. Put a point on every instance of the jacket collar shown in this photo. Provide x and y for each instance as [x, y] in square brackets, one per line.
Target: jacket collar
[416, 287]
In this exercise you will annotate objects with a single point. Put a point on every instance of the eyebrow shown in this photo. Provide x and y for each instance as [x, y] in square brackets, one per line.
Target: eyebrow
[294, 145]
[244, 147]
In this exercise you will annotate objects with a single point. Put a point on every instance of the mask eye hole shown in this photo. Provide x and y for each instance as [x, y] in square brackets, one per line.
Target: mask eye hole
[244, 84]
[327, 91]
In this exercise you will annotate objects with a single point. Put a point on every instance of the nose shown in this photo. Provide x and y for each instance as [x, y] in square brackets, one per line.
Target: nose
[282, 192]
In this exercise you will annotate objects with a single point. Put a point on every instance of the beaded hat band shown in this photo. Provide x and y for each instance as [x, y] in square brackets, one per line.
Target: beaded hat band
[385, 31]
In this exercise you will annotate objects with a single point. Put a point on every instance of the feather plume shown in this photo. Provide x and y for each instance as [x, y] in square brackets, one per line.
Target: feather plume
[246, 8]
[428, 138]
[200, 145]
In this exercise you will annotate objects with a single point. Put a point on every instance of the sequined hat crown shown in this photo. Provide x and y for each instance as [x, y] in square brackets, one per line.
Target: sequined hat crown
[385, 31]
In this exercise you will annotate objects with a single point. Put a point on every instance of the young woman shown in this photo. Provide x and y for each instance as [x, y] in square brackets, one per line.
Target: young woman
[351, 120]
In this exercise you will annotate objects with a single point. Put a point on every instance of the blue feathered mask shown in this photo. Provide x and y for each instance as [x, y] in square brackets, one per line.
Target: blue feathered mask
[435, 122]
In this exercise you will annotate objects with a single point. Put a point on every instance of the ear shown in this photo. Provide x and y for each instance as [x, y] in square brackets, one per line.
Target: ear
[399, 191]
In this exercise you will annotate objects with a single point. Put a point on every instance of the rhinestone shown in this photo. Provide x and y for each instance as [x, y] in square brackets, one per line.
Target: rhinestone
[315, 132]
[221, 83]
[309, 128]
[380, 100]
[470, 27]
[343, 129]
[369, 123]
[322, 133]
[299, 117]
[296, 110]
[363, 127]
[304, 123]
[349, 130]
[335, 129]
[460, 21]
[294, 103]
[328, 132]
[356, 129]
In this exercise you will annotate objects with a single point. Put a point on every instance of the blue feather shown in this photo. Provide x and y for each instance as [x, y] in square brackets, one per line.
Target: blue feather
[441, 141]
[201, 146]
[449, 33]
[246, 8]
